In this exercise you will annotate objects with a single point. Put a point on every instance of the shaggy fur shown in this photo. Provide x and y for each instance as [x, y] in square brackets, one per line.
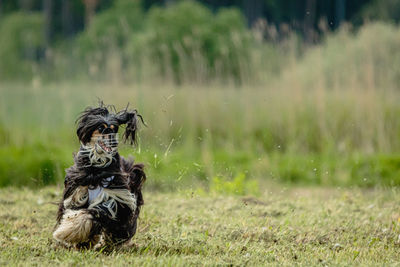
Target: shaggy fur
[101, 202]
[75, 226]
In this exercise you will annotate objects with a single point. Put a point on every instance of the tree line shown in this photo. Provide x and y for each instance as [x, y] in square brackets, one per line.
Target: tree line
[66, 18]
[180, 40]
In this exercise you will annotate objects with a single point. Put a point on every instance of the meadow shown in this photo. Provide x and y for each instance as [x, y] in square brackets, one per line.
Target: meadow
[298, 163]
[281, 227]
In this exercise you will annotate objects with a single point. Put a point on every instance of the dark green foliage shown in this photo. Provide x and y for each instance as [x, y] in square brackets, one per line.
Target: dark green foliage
[108, 33]
[183, 42]
[4, 135]
[387, 10]
[186, 41]
[21, 46]
[112, 28]
[32, 165]
[38, 165]
[373, 170]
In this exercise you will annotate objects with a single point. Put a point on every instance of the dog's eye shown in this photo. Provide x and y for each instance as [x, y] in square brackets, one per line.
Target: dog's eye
[100, 128]
[114, 128]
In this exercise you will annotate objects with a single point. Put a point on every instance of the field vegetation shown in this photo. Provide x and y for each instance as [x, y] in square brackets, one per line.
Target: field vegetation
[328, 117]
[296, 226]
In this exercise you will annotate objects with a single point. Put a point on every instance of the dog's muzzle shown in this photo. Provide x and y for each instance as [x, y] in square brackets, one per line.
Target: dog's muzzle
[105, 143]
[100, 150]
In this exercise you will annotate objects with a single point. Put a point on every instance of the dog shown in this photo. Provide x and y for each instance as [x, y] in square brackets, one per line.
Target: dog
[103, 191]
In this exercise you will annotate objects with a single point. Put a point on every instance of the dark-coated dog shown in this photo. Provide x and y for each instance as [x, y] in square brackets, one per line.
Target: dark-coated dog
[102, 196]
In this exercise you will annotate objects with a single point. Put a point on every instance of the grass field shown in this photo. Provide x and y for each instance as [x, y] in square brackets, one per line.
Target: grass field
[283, 226]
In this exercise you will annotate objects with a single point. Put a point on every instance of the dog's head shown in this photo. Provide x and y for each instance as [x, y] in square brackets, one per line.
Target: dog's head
[98, 128]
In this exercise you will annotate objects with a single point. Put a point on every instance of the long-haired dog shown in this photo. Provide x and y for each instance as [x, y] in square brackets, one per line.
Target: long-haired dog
[102, 196]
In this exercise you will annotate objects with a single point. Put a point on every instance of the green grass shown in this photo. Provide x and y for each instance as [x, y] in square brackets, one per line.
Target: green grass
[283, 226]
[195, 134]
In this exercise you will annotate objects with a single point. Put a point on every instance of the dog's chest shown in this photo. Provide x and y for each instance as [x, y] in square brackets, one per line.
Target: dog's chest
[94, 192]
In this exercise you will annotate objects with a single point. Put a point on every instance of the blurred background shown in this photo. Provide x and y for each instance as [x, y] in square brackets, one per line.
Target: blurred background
[236, 94]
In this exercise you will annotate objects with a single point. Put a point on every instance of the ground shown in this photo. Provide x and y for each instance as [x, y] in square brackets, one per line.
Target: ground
[283, 226]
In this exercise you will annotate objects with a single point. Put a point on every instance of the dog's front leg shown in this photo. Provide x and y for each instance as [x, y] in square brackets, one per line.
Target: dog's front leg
[75, 227]
[78, 199]
[76, 224]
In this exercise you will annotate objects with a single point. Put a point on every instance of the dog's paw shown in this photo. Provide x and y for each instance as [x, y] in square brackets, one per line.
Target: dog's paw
[75, 227]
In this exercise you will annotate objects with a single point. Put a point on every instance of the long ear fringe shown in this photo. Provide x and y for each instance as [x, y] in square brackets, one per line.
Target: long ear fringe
[130, 118]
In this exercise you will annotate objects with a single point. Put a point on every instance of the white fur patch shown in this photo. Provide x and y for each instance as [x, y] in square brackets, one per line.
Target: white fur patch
[74, 227]
[94, 193]
[109, 197]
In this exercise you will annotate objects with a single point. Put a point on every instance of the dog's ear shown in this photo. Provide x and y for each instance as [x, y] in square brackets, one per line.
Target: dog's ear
[130, 118]
[88, 121]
